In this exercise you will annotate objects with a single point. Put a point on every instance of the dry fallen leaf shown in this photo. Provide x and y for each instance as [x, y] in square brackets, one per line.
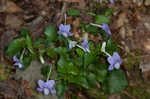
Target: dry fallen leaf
[147, 45]
[121, 20]
[76, 23]
[70, 0]
[13, 21]
[9, 6]
[28, 92]
[145, 64]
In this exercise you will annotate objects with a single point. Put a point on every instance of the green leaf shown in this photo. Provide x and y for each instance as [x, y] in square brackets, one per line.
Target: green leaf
[45, 70]
[91, 77]
[108, 12]
[111, 46]
[101, 75]
[89, 58]
[37, 42]
[50, 33]
[99, 19]
[100, 71]
[80, 80]
[79, 51]
[61, 88]
[15, 46]
[62, 51]
[73, 12]
[26, 61]
[92, 29]
[29, 44]
[51, 53]
[115, 82]
[67, 67]
[25, 32]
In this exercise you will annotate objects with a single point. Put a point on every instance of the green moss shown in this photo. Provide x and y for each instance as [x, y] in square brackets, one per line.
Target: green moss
[96, 93]
[139, 92]
[5, 71]
[131, 61]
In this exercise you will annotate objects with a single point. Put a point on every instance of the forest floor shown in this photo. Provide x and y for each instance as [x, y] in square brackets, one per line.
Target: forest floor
[130, 27]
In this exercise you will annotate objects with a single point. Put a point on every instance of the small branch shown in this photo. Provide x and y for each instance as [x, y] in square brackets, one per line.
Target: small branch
[2, 47]
[63, 11]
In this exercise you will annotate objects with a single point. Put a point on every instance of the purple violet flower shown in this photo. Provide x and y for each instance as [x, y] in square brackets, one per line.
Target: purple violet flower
[112, 1]
[114, 61]
[64, 30]
[46, 87]
[72, 44]
[105, 27]
[85, 45]
[17, 62]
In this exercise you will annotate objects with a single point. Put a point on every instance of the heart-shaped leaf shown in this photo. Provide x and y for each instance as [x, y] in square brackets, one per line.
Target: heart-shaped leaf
[15, 46]
[115, 82]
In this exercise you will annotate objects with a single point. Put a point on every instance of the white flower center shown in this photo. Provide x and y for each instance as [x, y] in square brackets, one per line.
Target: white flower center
[65, 34]
[46, 91]
[117, 65]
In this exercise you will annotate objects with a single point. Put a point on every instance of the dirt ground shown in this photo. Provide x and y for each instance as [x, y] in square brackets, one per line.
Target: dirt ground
[130, 28]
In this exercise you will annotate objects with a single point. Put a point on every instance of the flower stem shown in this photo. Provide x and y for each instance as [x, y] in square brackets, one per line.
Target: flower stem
[106, 53]
[65, 18]
[42, 59]
[80, 46]
[95, 25]
[21, 57]
[49, 72]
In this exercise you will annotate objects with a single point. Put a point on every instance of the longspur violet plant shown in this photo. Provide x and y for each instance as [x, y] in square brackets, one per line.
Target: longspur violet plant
[114, 60]
[64, 30]
[72, 44]
[104, 26]
[112, 1]
[17, 62]
[85, 46]
[46, 87]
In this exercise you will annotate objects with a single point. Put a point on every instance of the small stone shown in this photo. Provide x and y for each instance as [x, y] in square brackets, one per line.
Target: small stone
[147, 2]
[147, 25]
[138, 2]
[122, 32]
[129, 32]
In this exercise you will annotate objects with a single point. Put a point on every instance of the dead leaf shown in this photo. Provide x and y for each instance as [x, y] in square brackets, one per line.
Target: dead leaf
[13, 21]
[76, 23]
[28, 92]
[25, 84]
[147, 45]
[12, 7]
[145, 64]
[114, 96]
[9, 6]
[121, 20]
[86, 18]
[70, 0]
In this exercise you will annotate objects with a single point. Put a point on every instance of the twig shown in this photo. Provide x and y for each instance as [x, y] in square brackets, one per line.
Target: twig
[2, 47]
[63, 11]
